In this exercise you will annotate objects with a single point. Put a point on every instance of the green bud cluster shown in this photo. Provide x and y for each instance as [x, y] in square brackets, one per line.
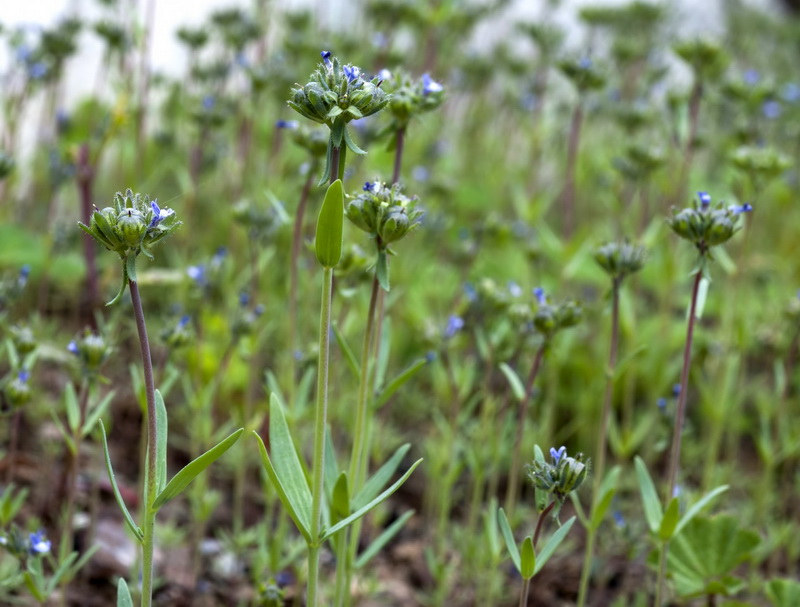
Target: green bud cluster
[561, 477]
[131, 226]
[411, 98]
[639, 161]
[383, 212]
[619, 259]
[23, 339]
[260, 221]
[314, 141]
[179, 335]
[707, 226]
[583, 73]
[549, 319]
[337, 94]
[706, 57]
[17, 391]
[760, 162]
[91, 349]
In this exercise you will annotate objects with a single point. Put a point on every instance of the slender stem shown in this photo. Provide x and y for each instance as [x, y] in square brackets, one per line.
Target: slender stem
[675, 452]
[573, 144]
[540, 521]
[398, 155]
[319, 434]
[85, 180]
[513, 480]
[152, 431]
[335, 156]
[591, 532]
[662, 574]
[526, 588]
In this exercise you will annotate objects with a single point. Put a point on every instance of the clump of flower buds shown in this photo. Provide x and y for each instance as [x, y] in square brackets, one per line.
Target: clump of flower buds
[561, 476]
[91, 350]
[619, 259]
[549, 318]
[383, 212]
[707, 226]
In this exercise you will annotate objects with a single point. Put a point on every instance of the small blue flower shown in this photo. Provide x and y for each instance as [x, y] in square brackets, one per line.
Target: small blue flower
[619, 520]
[752, 77]
[676, 491]
[662, 403]
[771, 109]
[736, 209]
[23, 53]
[372, 186]
[514, 289]
[454, 325]
[470, 292]
[37, 70]
[185, 319]
[705, 199]
[244, 298]
[209, 101]
[420, 173]
[24, 273]
[351, 72]
[538, 293]
[219, 257]
[287, 124]
[791, 93]
[73, 347]
[241, 60]
[557, 454]
[326, 59]
[379, 40]
[676, 390]
[24, 376]
[39, 543]
[159, 214]
[430, 356]
[259, 310]
[429, 85]
[585, 63]
[197, 274]
[384, 74]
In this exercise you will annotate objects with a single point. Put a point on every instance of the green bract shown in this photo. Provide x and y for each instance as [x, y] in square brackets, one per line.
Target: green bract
[706, 226]
[561, 477]
[384, 213]
[619, 259]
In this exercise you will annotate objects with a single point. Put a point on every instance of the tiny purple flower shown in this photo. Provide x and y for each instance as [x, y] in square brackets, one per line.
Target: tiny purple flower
[752, 77]
[39, 543]
[185, 319]
[37, 70]
[219, 257]
[470, 292]
[791, 93]
[384, 74]
[420, 173]
[771, 109]
[538, 293]
[430, 356]
[197, 274]
[676, 390]
[662, 403]
[351, 72]
[259, 310]
[429, 85]
[73, 347]
[287, 124]
[326, 59]
[244, 299]
[209, 102]
[159, 214]
[585, 63]
[619, 520]
[705, 199]
[372, 186]
[454, 325]
[557, 454]
[514, 289]
[24, 376]
[736, 209]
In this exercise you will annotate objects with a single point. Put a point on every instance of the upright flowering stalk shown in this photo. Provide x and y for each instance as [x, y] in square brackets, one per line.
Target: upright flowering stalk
[129, 228]
[335, 95]
[618, 259]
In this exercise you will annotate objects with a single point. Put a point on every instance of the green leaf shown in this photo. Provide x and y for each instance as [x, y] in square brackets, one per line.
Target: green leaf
[329, 226]
[130, 267]
[162, 433]
[348, 141]
[553, 543]
[527, 559]
[65, 434]
[374, 503]
[190, 471]
[137, 532]
[652, 507]
[337, 133]
[285, 471]
[670, 520]
[514, 381]
[349, 355]
[382, 271]
[605, 494]
[384, 538]
[508, 536]
[121, 292]
[399, 381]
[784, 593]
[123, 594]
[378, 480]
[540, 496]
[331, 465]
[96, 413]
[73, 408]
[340, 503]
[697, 507]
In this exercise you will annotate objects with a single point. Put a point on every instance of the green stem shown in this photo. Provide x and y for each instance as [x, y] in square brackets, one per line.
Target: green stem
[675, 452]
[319, 435]
[148, 542]
[526, 588]
[601, 441]
[662, 574]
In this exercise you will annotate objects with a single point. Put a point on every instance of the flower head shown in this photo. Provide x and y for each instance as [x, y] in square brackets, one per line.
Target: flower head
[39, 543]
[541, 298]
[557, 454]
[73, 347]
[326, 59]
[159, 214]
[705, 199]
[429, 85]
[351, 72]
[454, 325]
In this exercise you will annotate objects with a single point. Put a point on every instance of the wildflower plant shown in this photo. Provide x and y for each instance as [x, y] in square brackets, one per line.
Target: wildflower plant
[130, 228]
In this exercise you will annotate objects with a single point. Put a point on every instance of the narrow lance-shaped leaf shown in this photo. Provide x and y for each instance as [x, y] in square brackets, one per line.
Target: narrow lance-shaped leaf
[398, 381]
[349, 356]
[330, 225]
[373, 504]
[189, 472]
[652, 507]
[670, 520]
[97, 412]
[123, 594]
[137, 532]
[608, 489]
[378, 480]
[514, 381]
[553, 543]
[508, 536]
[697, 507]
[162, 432]
[527, 559]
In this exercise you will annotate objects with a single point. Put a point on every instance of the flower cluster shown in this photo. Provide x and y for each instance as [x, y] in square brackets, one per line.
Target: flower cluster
[23, 339]
[550, 318]
[18, 391]
[707, 226]
[179, 334]
[131, 226]
[619, 259]
[411, 98]
[90, 349]
[583, 73]
[383, 212]
[337, 94]
[21, 544]
[560, 477]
